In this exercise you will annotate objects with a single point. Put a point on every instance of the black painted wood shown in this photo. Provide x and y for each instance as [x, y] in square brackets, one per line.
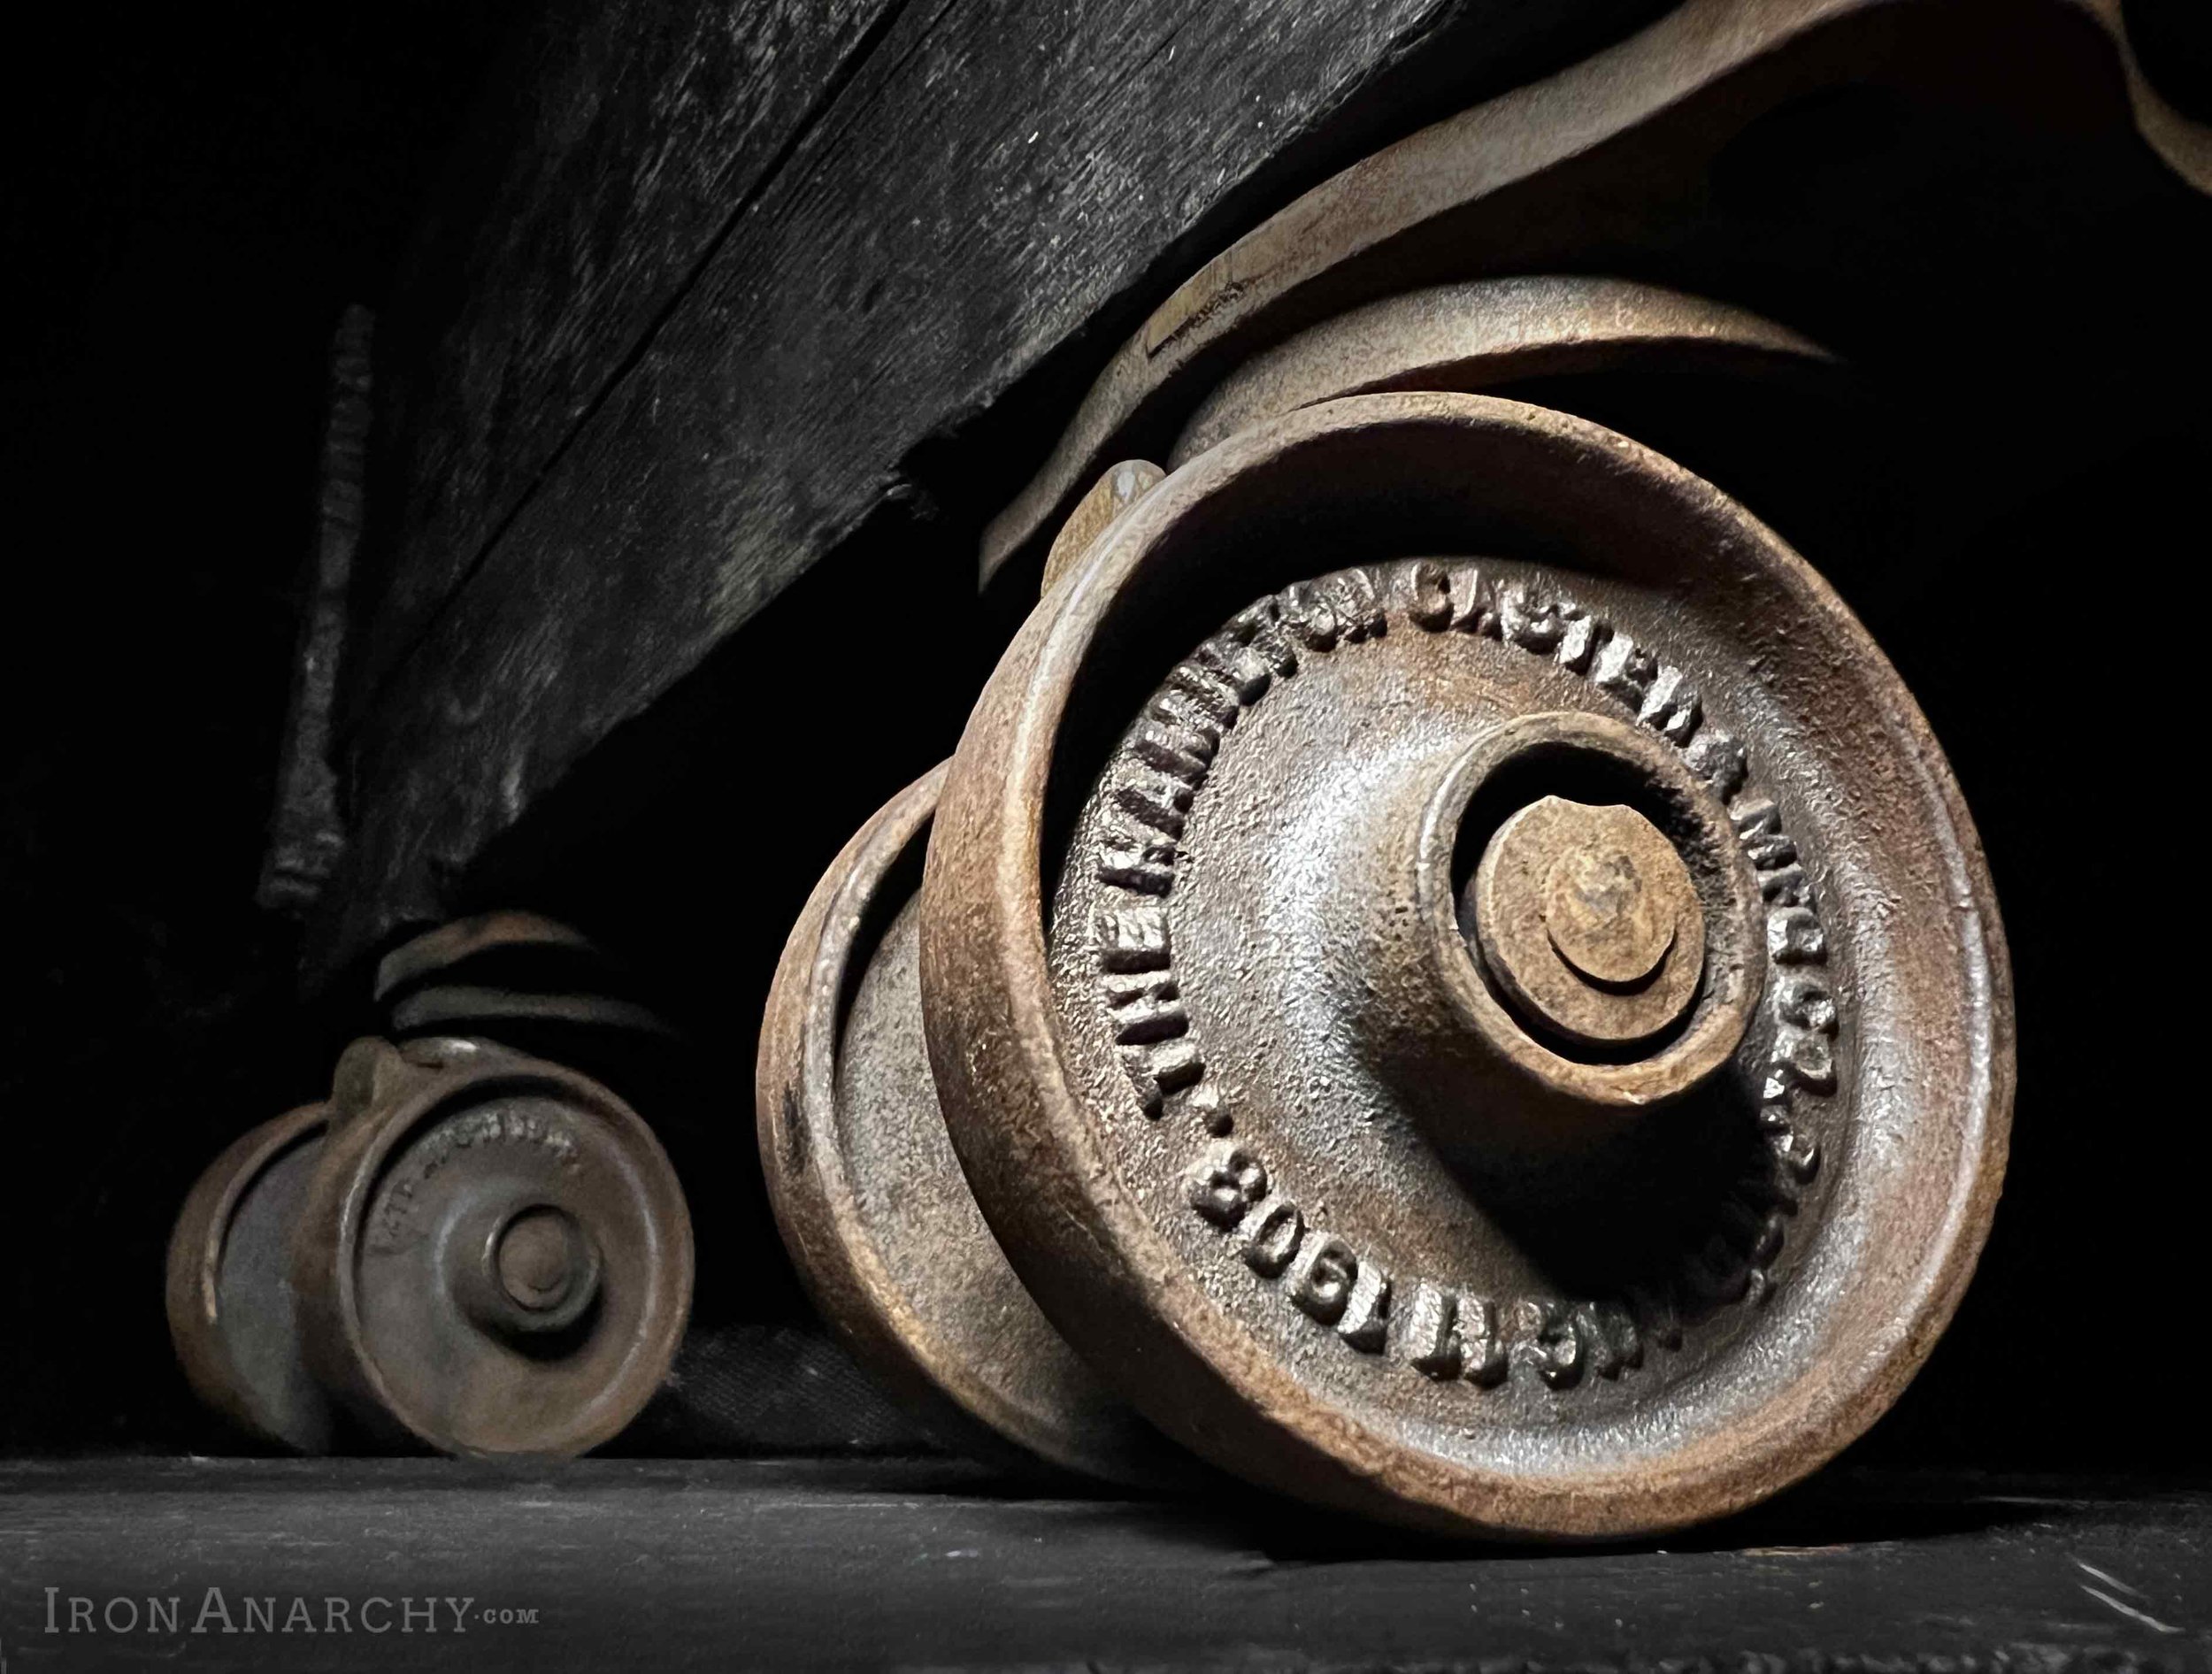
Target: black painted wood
[948, 210]
[773, 1564]
[618, 145]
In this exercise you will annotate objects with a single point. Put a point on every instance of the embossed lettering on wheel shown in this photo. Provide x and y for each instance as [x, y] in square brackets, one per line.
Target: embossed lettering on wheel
[1143, 939]
[1519, 1038]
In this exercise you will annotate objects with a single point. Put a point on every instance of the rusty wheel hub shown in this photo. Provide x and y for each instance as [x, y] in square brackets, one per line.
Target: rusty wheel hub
[1461, 981]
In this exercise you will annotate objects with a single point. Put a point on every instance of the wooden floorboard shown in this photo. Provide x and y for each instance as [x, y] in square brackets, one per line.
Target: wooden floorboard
[865, 1564]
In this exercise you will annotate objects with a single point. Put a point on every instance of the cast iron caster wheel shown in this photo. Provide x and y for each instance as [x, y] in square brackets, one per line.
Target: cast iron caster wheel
[1461, 981]
[231, 1312]
[493, 1256]
[869, 1199]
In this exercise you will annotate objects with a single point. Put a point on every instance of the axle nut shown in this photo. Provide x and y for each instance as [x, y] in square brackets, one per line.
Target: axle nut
[1587, 914]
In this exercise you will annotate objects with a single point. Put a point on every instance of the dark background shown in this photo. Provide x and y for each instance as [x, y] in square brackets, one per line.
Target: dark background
[195, 196]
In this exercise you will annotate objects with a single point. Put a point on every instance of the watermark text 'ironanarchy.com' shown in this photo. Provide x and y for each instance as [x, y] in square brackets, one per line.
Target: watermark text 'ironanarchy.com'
[216, 1611]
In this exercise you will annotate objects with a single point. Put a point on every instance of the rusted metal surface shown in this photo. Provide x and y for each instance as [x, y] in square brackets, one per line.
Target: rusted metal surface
[1113, 494]
[465, 1248]
[532, 984]
[1600, 157]
[2186, 144]
[1588, 918]
[1584, 914]
[493, 1256]
[450, 947]
[1477, 335]
[1231, 948]
[870, 1197]
[460, 1009]
[231, 1312]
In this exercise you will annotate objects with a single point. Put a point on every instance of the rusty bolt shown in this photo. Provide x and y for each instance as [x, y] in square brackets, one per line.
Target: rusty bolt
[1587, 917]
[544, 1260]
[525, 1272]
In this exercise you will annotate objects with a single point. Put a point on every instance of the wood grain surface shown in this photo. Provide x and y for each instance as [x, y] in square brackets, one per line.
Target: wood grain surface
[868, 1565]
[617, 145]
[723, 286]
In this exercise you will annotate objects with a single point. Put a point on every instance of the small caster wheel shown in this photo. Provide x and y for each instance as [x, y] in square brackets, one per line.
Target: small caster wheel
[492, 1256]
[869, 1199]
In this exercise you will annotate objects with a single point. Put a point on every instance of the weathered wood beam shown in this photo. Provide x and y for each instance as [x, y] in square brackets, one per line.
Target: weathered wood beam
[785, 326]
[620, 143]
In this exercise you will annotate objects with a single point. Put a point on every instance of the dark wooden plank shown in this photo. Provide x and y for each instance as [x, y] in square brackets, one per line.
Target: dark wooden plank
[611, 1563]
[987, 204]
[617, 142]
